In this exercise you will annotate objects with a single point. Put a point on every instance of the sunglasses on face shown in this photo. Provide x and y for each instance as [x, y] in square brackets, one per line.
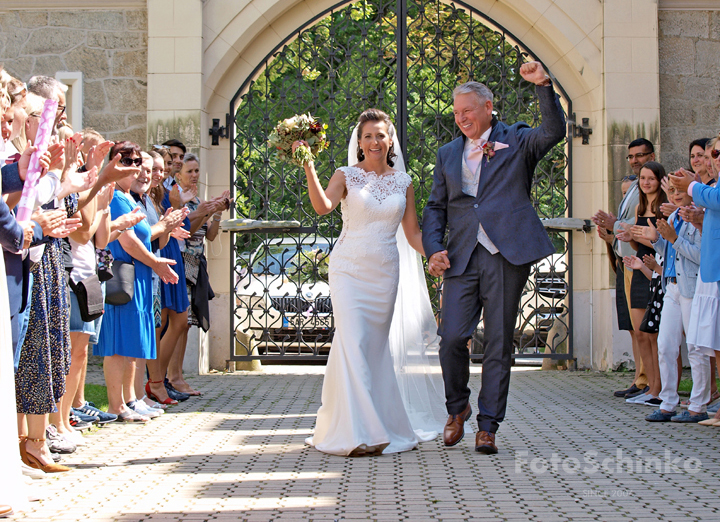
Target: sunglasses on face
[715, 153]
[129, 162]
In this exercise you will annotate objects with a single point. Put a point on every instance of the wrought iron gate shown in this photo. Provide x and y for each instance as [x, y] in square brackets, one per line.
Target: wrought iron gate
[335, 66]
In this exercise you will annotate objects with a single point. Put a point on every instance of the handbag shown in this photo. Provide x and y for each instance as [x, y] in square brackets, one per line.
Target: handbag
[192, 267]
[89, 297]
[104, 264]
[651, 319]
[120, 289]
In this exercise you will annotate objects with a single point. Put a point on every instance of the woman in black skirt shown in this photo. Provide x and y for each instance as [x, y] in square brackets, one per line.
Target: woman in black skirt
[646, 214]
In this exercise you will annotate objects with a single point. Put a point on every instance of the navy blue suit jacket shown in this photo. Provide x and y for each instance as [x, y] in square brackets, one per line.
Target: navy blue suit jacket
[502, 204]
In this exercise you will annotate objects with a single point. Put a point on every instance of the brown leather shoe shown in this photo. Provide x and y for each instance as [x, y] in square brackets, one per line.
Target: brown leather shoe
[485, 443]
[455, 427]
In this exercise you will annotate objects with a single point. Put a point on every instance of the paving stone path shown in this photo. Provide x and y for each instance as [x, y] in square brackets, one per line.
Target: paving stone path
[238, 453]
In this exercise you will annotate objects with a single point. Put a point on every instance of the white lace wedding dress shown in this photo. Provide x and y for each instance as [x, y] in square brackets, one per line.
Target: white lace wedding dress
[362, 408]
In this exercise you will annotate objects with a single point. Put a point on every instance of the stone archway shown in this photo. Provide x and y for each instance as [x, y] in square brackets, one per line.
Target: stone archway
[567, 36]
[405, 57]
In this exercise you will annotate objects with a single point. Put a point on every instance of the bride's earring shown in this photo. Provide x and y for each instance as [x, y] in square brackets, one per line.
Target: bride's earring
[360, 154]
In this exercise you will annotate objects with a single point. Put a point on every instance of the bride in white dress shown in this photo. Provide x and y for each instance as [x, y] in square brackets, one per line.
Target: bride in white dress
[374, 402]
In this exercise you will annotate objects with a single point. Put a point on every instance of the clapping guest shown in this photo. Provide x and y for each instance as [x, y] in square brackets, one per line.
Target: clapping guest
[14, 236]
[177, 151]
[128, 330]
[90, 139]
[174, 298]
[93, 232]
[704, 328]
[607, 235]
[698, 163]
[648, 211]
[151, 175]
[198, 284]
[640, 151]
[45, 353]
[679, 242]
[15, 117]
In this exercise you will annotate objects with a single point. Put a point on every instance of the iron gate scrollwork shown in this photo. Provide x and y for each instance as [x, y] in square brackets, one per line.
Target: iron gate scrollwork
[335, 66]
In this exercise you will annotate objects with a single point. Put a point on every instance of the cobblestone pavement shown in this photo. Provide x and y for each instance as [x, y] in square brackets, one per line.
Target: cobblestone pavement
[237, 453]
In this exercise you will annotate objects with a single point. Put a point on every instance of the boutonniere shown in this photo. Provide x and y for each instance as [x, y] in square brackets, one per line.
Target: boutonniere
[491, 147]
[488, 150]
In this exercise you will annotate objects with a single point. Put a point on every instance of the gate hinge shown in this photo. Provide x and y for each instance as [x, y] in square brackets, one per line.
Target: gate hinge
[217, 132]
[580, 131]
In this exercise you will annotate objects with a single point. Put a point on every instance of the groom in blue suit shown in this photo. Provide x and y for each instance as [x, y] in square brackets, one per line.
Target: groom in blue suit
[481, 194]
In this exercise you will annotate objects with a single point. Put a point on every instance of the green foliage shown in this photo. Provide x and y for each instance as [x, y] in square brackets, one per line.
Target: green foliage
[98, 395]
[310, 266]
[686, 385]
[347, 62]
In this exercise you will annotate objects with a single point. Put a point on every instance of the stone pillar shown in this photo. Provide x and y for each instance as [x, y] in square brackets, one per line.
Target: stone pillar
[175, 71]
[217, 164]
[632, 110]
[174, 100]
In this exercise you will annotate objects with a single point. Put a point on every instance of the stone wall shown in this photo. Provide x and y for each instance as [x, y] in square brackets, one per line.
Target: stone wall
[689, 81]
[109, 47]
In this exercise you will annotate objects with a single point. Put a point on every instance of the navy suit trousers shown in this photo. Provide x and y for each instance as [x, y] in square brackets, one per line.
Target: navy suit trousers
[493, 286]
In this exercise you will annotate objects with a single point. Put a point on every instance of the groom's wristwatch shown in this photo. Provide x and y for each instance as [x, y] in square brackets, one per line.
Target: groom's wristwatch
[547, 81]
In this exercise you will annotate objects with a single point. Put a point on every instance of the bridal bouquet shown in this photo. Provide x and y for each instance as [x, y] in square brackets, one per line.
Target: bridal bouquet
[301, 127]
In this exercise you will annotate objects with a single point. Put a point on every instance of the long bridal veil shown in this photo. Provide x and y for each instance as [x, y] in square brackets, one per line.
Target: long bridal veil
[414, 343]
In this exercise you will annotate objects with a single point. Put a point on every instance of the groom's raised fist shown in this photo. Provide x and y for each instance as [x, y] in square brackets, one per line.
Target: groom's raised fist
[534, 72]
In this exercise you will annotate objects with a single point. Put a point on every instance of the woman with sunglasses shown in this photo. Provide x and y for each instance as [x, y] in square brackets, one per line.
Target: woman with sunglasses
[704, 328]
[128, 330]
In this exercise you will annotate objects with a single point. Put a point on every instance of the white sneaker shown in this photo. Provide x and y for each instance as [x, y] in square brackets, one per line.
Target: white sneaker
[33, 473]
[141, 408]
[640, 399]
[76, 438]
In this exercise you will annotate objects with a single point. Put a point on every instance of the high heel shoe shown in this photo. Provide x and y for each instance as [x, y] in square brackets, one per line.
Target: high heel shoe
[34, 462]
[151, 395]
[175, 394]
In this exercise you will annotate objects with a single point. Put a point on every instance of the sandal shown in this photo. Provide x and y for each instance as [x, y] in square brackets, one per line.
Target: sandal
[189, 391]
[151, 395]
[715, 396]
[31, 460]
[131, 416]
[153, 404]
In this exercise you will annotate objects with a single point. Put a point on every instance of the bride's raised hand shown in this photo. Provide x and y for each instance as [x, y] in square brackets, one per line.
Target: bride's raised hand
[301, 143]
[323, 200]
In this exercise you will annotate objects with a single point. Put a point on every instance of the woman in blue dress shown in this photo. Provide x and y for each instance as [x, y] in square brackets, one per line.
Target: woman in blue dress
[174, 298]
[128, 330]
